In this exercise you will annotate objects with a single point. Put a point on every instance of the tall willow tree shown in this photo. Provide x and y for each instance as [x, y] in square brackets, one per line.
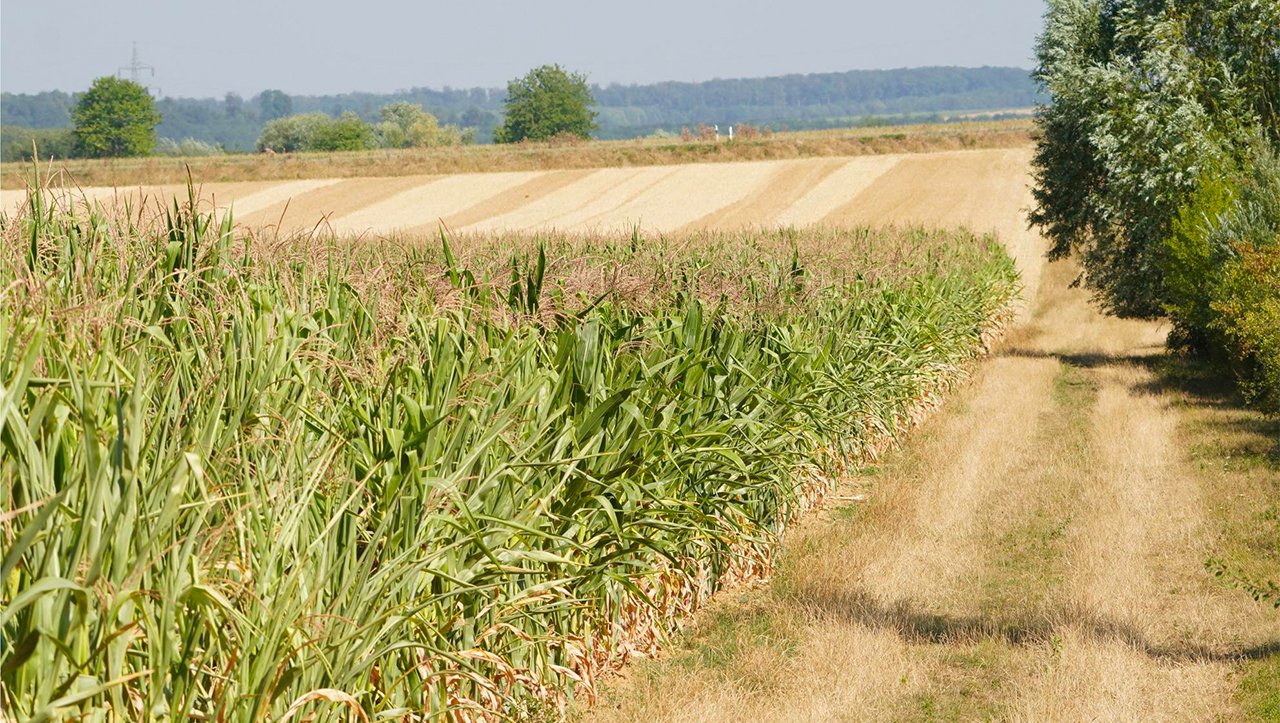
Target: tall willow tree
[1150, 99]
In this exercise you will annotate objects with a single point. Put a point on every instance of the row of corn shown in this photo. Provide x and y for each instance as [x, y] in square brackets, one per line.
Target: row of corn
[249, 478]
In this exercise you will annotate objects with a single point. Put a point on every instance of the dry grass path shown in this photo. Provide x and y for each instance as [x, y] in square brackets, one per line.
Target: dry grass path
[1036, 553]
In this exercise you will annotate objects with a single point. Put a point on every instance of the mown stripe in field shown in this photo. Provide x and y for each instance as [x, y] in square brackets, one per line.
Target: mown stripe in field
[333, 200]
[836, 190]
[536, 188]
[689, 193]
[787, 184]
[429, 202]
[600, 192]
[245, 199]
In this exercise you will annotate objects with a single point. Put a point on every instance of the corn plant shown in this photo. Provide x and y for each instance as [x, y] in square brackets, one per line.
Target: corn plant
[248, 479]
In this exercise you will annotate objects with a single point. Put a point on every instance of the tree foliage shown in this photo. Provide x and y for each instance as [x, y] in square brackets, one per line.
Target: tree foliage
[1159, 168]
[819, 100]
[403, 125]
[18, 143]
[273, 104]
[115, 118]
[317, 132]
[186, 148]
[1149, 97]
[407, 125]
[292, 133]
[547, 102]
[344, 133]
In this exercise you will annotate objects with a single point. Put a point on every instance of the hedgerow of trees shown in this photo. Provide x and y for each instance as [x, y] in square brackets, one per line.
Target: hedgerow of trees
[1159, 169]
[402, 125]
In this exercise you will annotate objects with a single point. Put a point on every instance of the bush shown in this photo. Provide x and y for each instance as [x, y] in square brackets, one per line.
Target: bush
[346, 133]
[407, 125]
[17, 143]
[1245, 300]
[186, 148]
[1193, 263]
[317, 132]
[1248, 305]
[292, 133]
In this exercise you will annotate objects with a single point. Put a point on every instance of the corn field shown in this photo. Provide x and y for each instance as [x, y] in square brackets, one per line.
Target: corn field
[249, 478]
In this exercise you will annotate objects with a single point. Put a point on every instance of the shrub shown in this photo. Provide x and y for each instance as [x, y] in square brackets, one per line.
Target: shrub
[1193, 262]
[1248, 305]
[292, 133]
[317, 132]
[187, 147]
[17, 142]
[346, 133]
[1245, 302]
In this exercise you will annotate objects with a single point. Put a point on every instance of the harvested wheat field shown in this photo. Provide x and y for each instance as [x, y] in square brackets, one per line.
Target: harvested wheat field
[658, 198]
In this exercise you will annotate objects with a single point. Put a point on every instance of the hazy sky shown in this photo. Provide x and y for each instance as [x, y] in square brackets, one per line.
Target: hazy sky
[335, 46]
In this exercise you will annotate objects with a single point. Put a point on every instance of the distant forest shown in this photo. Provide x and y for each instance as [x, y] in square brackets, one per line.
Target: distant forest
[822, 100]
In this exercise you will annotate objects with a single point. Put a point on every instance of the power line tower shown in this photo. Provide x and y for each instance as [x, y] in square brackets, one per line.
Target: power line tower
[136, 67]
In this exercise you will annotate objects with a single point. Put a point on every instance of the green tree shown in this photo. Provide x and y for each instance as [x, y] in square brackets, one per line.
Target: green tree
[273, 104]
[345, 133]
[292, 133]
[545, 103]
[1149, 99]
[115, 118]
[317, 132]
[407, 125]
[18, 143]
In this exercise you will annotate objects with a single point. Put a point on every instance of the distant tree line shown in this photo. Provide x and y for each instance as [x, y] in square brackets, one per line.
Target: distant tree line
[623, 111]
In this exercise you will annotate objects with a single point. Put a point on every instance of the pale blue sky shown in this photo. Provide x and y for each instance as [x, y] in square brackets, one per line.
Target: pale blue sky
[327, 46]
